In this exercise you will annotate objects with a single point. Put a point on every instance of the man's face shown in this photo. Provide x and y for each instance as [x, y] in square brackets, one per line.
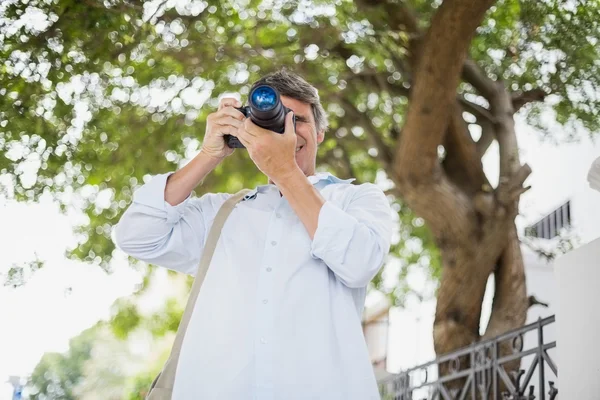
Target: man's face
[306, 134]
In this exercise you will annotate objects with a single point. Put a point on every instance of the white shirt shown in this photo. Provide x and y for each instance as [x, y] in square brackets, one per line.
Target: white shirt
[278, 316]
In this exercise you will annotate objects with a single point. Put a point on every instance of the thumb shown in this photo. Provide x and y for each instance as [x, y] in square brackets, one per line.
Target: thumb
[289, 123]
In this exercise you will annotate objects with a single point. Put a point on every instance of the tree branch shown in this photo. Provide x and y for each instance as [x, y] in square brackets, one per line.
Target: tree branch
[512, 173]
[522, 98]
[487, 137]
[462, 163]
[510, 189]
[485, 120]
[532, 300]
[434, 88]
[502, 109]
[417, 172]
[477, 78]
[509, 309]
[400, 16]
[395, 16]
[478, 111]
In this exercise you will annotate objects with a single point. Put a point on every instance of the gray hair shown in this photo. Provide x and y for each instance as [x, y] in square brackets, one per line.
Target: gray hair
[294, 86]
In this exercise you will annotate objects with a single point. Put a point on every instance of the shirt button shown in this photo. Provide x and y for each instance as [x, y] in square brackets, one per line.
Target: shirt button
[278, 215]
[268, 269]
[263, 340]
[265, 301]
[273, 243]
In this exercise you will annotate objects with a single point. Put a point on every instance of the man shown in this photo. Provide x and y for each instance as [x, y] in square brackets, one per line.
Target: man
[279, 313]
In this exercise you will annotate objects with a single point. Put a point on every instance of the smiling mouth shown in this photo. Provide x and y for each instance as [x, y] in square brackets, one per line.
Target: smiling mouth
[299, 148]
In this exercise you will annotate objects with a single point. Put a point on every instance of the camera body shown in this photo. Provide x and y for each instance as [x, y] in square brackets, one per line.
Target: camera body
[265, 109]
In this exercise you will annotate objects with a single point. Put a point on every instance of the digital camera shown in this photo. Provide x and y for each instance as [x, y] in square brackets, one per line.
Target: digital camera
[265, 109]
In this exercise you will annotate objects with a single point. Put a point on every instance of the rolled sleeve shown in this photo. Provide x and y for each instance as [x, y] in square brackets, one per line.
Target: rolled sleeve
[354, 241]
[334, 230]
[154, 231]
[152, 195]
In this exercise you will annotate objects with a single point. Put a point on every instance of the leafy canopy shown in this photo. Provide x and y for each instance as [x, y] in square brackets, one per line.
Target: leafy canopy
[96, 96]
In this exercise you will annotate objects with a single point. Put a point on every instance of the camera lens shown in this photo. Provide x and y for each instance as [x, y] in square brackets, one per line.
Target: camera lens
[264, 98]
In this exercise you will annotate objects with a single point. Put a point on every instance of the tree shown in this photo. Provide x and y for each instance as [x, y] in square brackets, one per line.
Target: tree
[56, 375]
[102, 364]
[97, 95]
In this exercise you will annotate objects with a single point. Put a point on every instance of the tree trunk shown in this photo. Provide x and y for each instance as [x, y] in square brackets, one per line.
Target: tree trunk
[472, 223]
[509, 310]
[459, 299]
[460, 296]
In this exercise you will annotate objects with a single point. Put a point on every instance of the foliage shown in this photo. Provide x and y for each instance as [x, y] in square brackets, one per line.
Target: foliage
[130, 100]
[126, 318]
[100, 365]
[97, 96]
[551, 45]
[56, 375]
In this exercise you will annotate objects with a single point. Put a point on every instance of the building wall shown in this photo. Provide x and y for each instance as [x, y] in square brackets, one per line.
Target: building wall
[579, 322]
[560, 174]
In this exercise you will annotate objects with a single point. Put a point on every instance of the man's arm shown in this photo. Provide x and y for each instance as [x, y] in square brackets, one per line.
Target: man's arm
[156, 232]
[180, 185]
[214, 150]
[304, 199]
[163, 225]
[352, 242]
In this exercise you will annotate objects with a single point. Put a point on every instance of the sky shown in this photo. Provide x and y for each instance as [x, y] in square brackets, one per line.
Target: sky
[60, 300]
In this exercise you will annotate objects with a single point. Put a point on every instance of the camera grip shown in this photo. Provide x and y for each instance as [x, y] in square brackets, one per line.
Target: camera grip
[234, 142]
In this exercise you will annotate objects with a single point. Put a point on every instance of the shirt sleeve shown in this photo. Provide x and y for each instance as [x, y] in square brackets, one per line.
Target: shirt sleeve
[355, 241]
[156, 232]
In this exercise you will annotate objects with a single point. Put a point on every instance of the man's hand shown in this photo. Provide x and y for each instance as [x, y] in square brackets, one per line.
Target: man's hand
[273, 153]
[225, 121]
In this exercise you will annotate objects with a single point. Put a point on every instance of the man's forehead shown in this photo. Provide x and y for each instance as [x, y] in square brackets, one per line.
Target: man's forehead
[301, 110]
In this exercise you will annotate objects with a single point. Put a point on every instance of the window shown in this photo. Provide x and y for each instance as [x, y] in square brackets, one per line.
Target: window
[551, 225]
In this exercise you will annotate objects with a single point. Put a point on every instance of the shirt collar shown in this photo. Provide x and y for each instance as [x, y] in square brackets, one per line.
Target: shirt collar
[313, 179]
[326, 176]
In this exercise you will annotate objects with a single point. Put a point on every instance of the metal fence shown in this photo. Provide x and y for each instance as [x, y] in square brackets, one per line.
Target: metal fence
[484, 373]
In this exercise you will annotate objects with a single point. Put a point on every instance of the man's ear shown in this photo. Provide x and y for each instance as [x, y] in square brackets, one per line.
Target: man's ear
[320, 137]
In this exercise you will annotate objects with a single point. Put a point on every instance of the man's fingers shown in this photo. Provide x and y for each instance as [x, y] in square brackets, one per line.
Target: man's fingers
[232, 112]
[249, 127]
[242, 137]
[289, 122]
[229, 101]
[226, 130]
[227, 120]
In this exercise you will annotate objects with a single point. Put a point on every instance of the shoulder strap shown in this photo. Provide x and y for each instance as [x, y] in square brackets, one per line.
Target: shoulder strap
[166, 379]
[209, 249]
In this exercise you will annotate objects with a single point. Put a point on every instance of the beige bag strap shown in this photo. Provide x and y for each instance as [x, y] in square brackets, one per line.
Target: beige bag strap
[162, 386]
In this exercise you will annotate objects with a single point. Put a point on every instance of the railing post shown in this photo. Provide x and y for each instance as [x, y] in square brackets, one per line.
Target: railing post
[473, 375]
[541, 361]
[495, 369]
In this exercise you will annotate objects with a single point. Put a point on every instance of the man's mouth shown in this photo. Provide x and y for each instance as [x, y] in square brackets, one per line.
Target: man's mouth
[299, 148]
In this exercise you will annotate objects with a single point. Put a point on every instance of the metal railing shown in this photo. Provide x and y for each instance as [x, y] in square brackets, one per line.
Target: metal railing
[483, 373]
